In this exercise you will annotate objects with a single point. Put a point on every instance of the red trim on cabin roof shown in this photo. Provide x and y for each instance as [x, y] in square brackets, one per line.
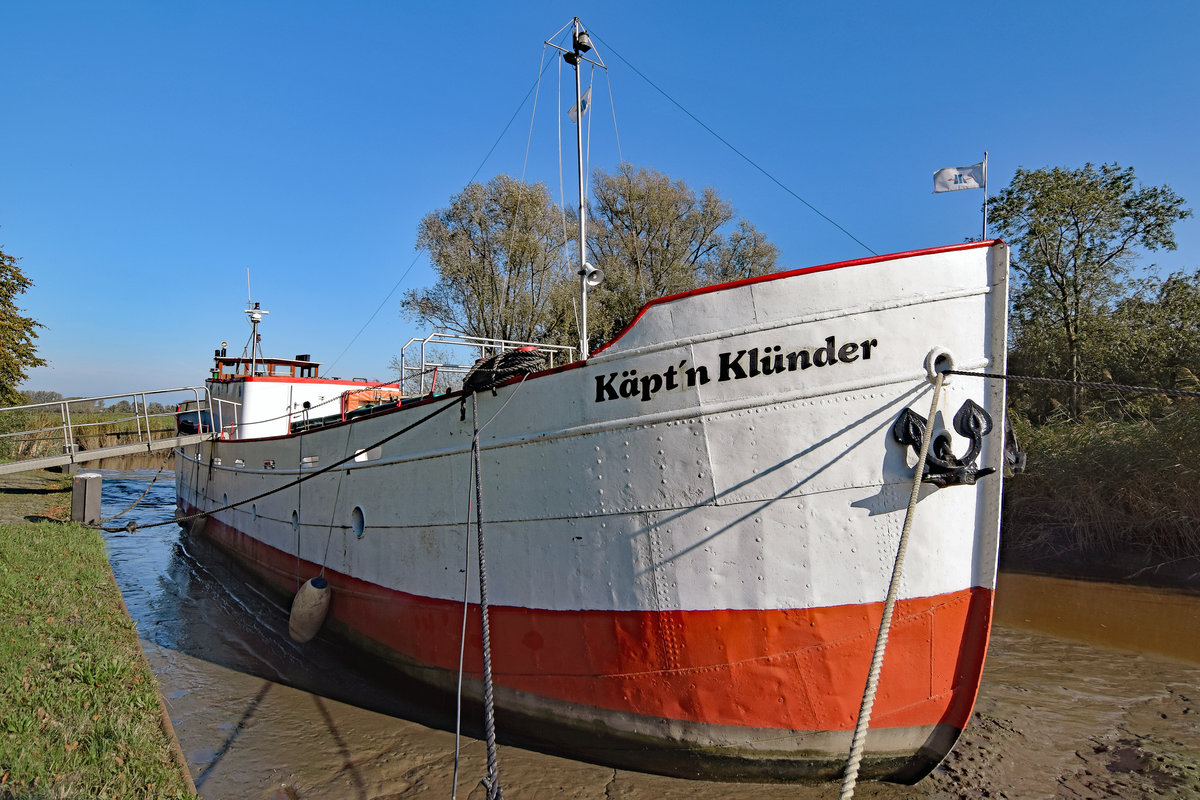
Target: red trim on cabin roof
[290, 379]
[790, 273]
[290, 362]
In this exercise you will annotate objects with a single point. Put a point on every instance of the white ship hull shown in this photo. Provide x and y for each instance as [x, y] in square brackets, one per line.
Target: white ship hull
[689, 535]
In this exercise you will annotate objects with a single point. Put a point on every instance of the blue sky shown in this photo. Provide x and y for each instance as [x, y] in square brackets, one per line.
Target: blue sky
[152, 152]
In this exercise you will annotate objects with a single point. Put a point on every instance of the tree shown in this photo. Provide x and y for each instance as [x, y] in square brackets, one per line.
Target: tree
[40, 396]
[1159, 333]
[1076, 235]
[18, 352]
[499, 252]
[653, 236]
[505, 269]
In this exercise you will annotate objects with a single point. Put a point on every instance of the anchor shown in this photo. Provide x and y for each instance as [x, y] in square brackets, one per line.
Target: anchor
[942, 467]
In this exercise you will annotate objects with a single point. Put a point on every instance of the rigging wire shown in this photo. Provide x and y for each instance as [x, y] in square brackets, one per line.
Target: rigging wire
[510, 121]
[378, 308]
[613, 107]
[417, 257]
[562, 192]
[532, 91]
[726, 142]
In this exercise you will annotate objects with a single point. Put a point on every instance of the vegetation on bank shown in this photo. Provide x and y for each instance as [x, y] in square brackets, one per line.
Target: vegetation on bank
[80, 713]
[1112, 487]
[34, 434]
[1109, 498]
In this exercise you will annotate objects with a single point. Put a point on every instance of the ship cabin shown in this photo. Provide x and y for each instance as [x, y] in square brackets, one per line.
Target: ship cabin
[263, 397]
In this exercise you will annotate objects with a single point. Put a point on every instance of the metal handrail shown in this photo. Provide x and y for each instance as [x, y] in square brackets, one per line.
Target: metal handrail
[201, 402]
[484, 345]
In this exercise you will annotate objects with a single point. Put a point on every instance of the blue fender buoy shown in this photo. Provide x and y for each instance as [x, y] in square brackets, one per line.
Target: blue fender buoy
[309, 608]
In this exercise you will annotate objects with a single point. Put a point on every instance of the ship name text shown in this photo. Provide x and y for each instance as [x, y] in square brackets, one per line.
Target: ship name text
[731, 366]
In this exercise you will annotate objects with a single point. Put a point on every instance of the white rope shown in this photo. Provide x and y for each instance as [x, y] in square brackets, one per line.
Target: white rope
[850, 777]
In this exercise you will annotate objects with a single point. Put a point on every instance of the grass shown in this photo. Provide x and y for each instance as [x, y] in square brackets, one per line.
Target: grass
[79, 706]
[1098, 489]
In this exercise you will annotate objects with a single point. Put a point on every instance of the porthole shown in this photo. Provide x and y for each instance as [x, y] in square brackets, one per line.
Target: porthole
[254, 510]
[224, 499]
[358, 521]
[296, 521]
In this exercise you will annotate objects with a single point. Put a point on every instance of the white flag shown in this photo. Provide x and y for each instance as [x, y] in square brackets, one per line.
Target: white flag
[584, 101]
[951, 179]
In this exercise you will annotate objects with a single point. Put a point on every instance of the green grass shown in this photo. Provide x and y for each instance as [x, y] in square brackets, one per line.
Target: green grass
[79, 707]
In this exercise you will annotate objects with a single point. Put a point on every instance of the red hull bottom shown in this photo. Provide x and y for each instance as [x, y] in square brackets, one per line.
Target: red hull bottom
[757, 695]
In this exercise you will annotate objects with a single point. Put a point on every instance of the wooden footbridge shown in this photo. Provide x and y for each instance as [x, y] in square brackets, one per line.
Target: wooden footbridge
[68, 432]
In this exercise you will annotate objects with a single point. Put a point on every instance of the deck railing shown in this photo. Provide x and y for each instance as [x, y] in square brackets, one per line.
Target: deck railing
[436, 350]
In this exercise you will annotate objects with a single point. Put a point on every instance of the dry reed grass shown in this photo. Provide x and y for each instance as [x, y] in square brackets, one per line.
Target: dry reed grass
[1099, 488]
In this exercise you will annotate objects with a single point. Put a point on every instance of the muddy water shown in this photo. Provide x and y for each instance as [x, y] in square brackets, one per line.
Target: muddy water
[1089, 691]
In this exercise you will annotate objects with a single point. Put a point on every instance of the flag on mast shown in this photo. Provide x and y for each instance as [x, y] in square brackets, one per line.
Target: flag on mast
[584, 101]
[951, 179]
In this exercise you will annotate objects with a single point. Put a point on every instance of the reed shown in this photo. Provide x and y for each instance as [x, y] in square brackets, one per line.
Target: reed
[37, 434]
[1099, 488]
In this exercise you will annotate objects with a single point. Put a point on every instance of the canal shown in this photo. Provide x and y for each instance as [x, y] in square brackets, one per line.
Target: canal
[1090, 690]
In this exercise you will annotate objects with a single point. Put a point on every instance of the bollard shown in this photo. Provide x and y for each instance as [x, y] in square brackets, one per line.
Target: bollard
[85, 497]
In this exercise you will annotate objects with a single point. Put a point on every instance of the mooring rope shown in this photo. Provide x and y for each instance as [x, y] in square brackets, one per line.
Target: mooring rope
[139, 499]
[850, 777]
[492, 781]
[522, 363]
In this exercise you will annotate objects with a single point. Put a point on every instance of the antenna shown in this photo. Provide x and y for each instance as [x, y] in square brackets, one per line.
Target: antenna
[255, 314]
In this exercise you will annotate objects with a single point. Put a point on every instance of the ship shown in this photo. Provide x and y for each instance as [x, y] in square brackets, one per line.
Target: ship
[689, 535]
[680, 553]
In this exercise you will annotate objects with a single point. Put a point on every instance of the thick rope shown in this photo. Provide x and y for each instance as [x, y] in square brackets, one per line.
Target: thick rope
[489, 372]
[492, 781]
[850, 777]
[462, 643]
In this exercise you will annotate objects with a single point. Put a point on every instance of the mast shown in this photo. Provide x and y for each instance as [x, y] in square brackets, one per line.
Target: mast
[255, 313]
[588, 275]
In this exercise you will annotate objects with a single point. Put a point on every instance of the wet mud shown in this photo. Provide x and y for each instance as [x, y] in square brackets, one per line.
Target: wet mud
[258, 716]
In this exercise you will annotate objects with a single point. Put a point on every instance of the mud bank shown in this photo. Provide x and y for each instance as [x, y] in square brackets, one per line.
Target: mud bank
[1055, 719]
[260, 717]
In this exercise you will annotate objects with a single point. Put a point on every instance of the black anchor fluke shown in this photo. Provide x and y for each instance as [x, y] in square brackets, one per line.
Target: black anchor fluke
[942, 467]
